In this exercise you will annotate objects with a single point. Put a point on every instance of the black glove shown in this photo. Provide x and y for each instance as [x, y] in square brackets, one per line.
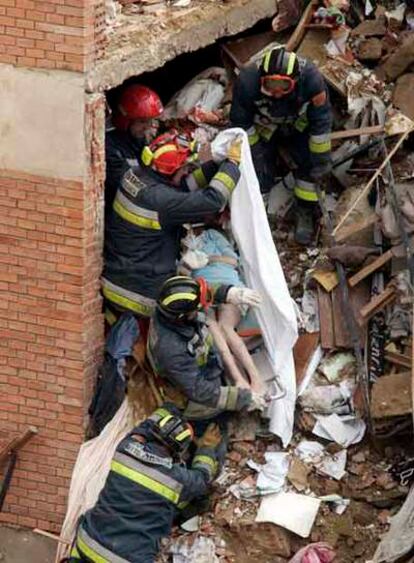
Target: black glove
[320, 172]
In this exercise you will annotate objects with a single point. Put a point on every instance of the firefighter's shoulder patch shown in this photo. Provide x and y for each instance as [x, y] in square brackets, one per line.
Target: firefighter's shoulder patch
[131, 183]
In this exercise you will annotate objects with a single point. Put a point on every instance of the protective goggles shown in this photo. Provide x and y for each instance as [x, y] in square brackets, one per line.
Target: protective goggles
[278, 83]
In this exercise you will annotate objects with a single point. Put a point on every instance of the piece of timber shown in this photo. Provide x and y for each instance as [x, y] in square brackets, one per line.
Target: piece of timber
[356, 227]
[358, 297]
[371, 268]
[371, 130]
[303, 352]
[17, 443]
[399, 359]
[300, 30]
[377, 303]
[364, 192]
[326, 319]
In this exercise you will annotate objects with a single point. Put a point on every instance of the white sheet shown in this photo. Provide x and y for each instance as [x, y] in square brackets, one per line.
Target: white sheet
[264, 273]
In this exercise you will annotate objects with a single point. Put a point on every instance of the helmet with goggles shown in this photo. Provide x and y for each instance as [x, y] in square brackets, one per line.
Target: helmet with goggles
[169, 152]
[279, 70]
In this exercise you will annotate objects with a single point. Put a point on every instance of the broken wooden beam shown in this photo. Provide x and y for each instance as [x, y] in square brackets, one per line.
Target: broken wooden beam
[398, 359]
[378, 303]
[300, 30]
[356, 227]
[364, 192]
[371, 268]
[370, 130]
[17, 443]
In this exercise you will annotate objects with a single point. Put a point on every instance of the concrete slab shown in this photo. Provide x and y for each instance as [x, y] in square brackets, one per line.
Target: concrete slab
[22, 546]
[144, 42]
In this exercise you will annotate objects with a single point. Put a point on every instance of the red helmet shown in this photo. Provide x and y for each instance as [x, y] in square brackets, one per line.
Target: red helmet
[169, 152]
[138, 102]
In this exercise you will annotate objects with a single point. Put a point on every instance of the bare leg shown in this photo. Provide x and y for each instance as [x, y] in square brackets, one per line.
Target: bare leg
[226, 355]
[229, 318]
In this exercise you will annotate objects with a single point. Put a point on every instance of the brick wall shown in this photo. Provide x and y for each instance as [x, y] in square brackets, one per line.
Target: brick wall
[50, 333]
[53, 34]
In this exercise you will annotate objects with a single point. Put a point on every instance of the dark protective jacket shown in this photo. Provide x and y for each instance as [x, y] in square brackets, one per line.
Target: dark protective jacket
[188, 369]
[142, 242]
[122, 151]
[142, 494]
[301, 110]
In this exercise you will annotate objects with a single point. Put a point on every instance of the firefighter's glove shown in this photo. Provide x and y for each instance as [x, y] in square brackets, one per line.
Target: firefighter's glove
[258, 403]
[234, 150]
[243, 296]
[211, 437]
[319, 173]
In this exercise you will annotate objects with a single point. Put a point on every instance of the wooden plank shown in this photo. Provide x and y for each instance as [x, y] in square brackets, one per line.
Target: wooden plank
[377, 303]
[370, 130]
[326, 319]
[358, 296]
[303, 352]
[356, 227]
[391, 396]
[17, 443]
[371, 268]
[365, 190]
[300, 30]
[399, 359]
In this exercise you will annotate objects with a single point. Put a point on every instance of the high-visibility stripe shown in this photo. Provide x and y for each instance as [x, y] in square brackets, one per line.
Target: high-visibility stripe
[205, 460]
[319, 143]
[266, 61]
[75, 553]
[222, 181]
[165, 419]
[231, 399]
[110, 317]
[183, 435]
[159, 414]
[166, 148]
[178, 296]
[94, 550]
[291, 63]
[199, 177]
[145, 481]
[147, 156]
[305, 191]
[128, 299]
[145, 218]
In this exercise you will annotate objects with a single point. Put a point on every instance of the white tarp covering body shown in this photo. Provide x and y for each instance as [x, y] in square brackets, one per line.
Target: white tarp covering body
[263, 272]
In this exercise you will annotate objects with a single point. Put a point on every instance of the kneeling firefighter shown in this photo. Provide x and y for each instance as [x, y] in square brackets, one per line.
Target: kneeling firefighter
[147, 487]
[285, 101]
[188, 371]
[154, 200]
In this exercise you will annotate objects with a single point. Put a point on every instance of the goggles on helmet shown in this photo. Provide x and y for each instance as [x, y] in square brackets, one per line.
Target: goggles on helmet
[278, 84]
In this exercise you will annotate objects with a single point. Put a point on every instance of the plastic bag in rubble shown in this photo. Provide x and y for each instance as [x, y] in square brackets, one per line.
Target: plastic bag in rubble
[314, 553]
[263, 272]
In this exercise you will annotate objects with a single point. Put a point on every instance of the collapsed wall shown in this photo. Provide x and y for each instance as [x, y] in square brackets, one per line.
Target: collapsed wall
[55, 58]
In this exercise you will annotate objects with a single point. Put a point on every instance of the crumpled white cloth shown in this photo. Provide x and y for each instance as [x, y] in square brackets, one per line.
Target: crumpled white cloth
[264, 273]
[90, 471]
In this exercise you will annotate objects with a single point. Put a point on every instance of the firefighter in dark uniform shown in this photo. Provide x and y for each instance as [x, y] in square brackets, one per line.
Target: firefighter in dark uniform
[134, 125]
[147, 487]
[142, 241]
[285, 101]
[187, 369]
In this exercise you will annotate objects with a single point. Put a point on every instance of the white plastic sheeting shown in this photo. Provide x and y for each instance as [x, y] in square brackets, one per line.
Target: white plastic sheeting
[263, 272]
[90, 471]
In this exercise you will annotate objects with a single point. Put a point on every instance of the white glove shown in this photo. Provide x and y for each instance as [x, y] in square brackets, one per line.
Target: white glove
[243, 296]
[259, 403]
